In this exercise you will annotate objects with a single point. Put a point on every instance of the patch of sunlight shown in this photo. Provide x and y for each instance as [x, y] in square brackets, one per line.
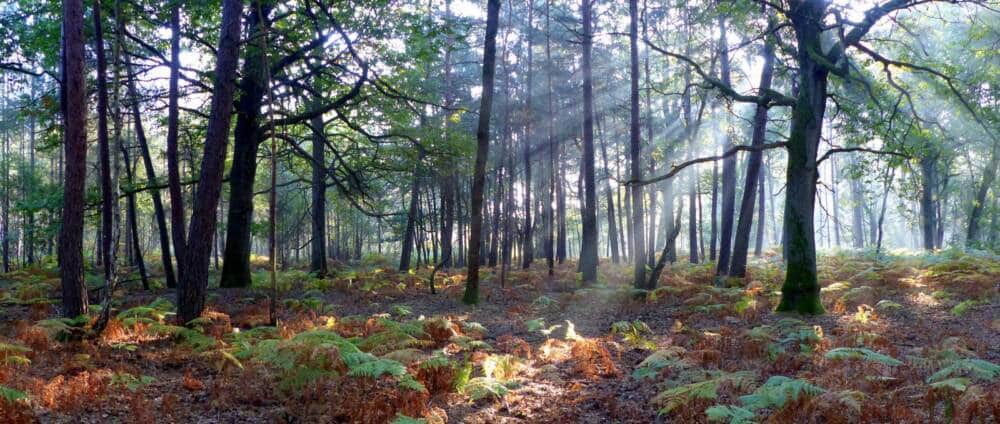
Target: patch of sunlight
[838, 286]
[924, 299]
[571, 331]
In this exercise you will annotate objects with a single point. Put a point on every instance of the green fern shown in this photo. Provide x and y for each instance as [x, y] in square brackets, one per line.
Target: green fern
[487, 388]
[730, 414]
[663, 358]
[843, 353]
[11, 395]
[403, 419]
[377, 368]
[633, 334]
[14, 354]
[974, 367]
[679, 396]
[777, 391]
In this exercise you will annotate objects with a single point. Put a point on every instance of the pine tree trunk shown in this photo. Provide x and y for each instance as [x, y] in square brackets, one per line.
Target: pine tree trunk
[638, 246]
[193, 283]
[74, 105]
[471, 295]
[317, 260]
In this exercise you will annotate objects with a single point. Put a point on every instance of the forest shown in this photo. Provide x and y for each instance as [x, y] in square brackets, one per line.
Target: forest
[499, 211]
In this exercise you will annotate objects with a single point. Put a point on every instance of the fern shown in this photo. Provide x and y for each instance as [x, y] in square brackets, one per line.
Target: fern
[377, 368]
[777, 391]
[633, 332]
[729, 413]
[501, 367]
[14, 354]
[978, 368]
[679, 396]
[487, 388]
[958, 384]
[843, 353]
[663, 358]
[403, 419]
[11, 395]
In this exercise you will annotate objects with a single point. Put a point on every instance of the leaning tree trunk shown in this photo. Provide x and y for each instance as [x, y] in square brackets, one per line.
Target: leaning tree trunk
[147, 161]
[741, 244]
[471, 295]
[193, 283]
[74, 108]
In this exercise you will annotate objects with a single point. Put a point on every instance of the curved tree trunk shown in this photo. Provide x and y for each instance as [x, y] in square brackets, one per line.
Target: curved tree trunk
[193, 283]
[471, 295]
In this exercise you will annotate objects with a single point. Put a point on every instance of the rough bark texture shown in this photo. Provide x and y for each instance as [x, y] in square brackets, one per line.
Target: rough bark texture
[246, 138]
[193, 282]
[928, 216]
[800, 291]
[471, 295]
[74, 105]
[104, 149]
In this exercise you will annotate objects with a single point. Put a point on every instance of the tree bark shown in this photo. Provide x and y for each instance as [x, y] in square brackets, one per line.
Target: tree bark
[74, 105]
[471, 295]
[800, 291]
[193, 283]
[638, 246]
[177, 225]
[741, 244]
[729, 172]
[317, 264]
[147, 161]
[107, 196]
[527, 239]
[928, 186]
[247, 137]
[588, 242]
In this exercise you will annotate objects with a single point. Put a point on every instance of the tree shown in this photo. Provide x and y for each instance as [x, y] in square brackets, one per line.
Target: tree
[74, 107]
[638, 246]
[471, 295]
[588, 242]
[193, 282]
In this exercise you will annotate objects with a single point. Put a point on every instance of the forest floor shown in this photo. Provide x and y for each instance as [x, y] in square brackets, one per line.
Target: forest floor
[906, 338]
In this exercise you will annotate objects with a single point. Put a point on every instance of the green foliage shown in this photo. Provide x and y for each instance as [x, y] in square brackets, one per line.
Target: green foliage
[777, 391]
[966, 305]
[707, 389]
[729, 413]
[974, 367]
[64, 328]
[633, 333]
[403, 419]
[12, 395]
[843, 353]
[130, 382]
[487, 388]
[14, 354]
[670, 357]
[544, 302]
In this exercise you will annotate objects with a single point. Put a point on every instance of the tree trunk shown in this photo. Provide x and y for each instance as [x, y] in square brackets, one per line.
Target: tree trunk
[107, 196]
[317, 262]
[247, 138]
[147, 161]
[800, 291]
[638, 246]
[177, 225]
[612, 228]
[193, 283]
[928, 217]
[549, 212]
[527, 249]
[471, 295]
[74, 105]
[741, 244]
[728, 173]
[588, 242]
[411, 216]
[857, 215]
[979, 202]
